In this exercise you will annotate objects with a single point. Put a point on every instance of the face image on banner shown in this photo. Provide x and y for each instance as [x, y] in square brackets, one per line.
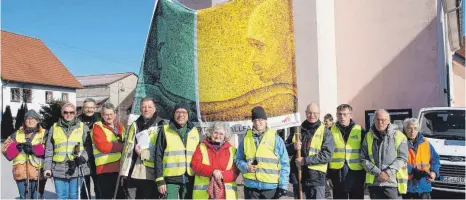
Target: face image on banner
[223, 61]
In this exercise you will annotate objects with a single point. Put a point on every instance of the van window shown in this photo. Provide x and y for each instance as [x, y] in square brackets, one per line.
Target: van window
[446, 124]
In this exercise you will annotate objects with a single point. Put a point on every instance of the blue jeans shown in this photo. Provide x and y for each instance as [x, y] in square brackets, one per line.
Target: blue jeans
[22, 189]
[67, 188]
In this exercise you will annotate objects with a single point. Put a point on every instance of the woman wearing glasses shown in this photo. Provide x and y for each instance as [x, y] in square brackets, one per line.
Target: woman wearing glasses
[65, 156]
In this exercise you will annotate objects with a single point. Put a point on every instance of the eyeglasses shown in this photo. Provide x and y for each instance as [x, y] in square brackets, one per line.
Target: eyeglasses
[181, 112]
[68, 113]
[344, 114]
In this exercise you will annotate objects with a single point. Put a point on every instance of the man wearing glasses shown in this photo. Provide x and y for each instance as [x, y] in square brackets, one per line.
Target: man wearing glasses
[89, 117]
[384, 154]
[346, 171]
[263, 160]
[174, 149]
[316, 146]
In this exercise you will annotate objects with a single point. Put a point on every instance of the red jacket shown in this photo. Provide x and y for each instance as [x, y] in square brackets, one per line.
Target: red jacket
[101, 143]
[218, 160]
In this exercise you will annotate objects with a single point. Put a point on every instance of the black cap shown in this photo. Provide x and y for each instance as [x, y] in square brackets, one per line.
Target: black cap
[258, 113]
[181, 105]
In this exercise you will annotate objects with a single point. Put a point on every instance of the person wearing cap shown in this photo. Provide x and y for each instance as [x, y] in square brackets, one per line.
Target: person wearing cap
[137, 169]
[316, 146]
[176, 143]
[25, 148]
[65, 152]
[345, 169]
[108, 137]
[263, 160]
[89, 116]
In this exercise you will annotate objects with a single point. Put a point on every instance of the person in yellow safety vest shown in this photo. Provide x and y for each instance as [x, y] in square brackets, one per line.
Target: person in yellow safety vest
[263, 160]
[316, 146]
[345, 169]
[107, 137]
[137, 169]
[176, 143]
[213, 164]
[384, 156]
[26, 145]
[65, 138]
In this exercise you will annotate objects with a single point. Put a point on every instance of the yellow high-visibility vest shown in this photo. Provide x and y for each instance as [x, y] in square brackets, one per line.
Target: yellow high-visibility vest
[315, 146]
[268, 164]
[349, 151]
[202, 182]
[402, 174]
[21, 157]
[63, 146]
[105, 158]
[153, 133]
[177, 158]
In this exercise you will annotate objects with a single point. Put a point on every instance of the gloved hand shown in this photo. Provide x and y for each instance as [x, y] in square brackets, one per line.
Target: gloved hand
[71, 167]
[280, 192]
[19, 146]
[80, 160]
[419, 174]
[27, 148]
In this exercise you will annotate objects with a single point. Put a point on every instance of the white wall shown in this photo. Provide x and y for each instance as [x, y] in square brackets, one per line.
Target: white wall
[38, 95]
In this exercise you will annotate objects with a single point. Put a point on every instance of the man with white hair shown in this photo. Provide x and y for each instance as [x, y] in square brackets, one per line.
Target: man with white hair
[384, 153]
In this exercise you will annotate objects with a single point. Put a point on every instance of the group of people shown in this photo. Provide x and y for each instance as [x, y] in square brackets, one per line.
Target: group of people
[166, 159]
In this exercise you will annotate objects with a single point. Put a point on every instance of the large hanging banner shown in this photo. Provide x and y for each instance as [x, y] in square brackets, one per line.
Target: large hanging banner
[223, 61]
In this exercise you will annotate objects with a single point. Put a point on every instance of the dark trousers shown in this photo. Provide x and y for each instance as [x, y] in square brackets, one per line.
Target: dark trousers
[141, 189]
[425, 195]
[355, 194]
[253, 193]
[310, 192]
[376, 192]
[107, 184]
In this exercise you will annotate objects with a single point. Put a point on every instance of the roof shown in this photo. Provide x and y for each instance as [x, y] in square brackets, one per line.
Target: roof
[102, 79]
[28, 60]
[98, 100]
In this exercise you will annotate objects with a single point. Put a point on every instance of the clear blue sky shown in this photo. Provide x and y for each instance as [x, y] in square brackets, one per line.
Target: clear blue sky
[87, 36]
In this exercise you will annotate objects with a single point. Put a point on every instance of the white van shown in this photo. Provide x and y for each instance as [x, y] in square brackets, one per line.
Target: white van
[445, 129]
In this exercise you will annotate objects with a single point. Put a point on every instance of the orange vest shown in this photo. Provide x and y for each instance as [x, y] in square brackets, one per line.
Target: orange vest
[421, 158]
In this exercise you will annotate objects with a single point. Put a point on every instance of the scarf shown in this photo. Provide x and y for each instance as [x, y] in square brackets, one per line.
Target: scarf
[144, 124]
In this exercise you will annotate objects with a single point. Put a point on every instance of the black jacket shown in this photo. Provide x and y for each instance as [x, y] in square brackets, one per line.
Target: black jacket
[310, 177]
[345, 179]
[160, 146]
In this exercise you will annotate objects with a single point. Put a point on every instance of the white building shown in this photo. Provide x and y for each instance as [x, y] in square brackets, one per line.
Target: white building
[32, 74]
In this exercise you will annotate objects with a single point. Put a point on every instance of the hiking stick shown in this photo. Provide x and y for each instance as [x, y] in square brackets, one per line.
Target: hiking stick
[28, 190]
[298, 155]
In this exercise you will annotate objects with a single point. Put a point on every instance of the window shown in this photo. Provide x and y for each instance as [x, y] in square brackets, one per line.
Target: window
[64, 97]
[27, 95]
[48, 97]
[15, 95]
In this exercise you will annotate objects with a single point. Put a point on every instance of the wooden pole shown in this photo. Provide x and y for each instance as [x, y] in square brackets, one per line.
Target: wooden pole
[298, 155]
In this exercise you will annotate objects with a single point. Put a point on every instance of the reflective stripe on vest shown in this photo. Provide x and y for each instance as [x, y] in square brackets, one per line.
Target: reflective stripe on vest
[402, 174]
[152, 137]
[349, 151]
[420, 158]
[315, 146]
[268, 164]
[201, 182]
[105, 158]
[63, 146]
[22, 157]
[177, 157]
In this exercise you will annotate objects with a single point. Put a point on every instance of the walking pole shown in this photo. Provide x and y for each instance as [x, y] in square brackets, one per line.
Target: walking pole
[298, 155]
[76, 153]
[28, 190]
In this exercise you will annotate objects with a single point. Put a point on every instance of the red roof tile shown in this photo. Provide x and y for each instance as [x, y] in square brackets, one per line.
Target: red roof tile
[28, 60]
